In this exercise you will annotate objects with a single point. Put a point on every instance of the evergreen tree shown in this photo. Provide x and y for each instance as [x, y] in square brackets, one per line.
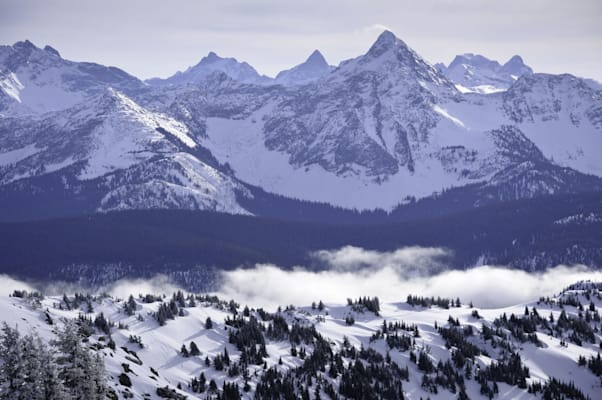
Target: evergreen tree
[11, 369]
[28, 370]
[130, 306]
[194, 350]
[53, 385]
[82, 373]
[33, 381]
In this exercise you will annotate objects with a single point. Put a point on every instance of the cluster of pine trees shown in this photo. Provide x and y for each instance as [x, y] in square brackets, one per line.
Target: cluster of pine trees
[64, 369]
[365, 303]
[428, 302]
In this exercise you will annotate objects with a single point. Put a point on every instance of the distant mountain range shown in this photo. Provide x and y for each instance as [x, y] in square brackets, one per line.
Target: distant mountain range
[376, 132]
[476, 73]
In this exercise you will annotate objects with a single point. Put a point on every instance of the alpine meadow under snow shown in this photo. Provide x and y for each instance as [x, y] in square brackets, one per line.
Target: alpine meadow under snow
[384, 228]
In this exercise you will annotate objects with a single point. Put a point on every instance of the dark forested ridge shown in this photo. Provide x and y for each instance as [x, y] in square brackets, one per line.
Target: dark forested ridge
[529, 234]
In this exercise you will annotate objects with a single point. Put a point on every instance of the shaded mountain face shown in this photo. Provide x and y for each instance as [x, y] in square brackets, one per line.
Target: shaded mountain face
[314, 68]
[381, 129]
[476, 73]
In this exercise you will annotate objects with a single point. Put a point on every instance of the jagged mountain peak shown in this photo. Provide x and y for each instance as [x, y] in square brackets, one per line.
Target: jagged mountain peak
[314, 68]
[392, 59]
[212, 58]
[474, 60]
[316, 58]
[386, 41]
[515, 59]
[477, 73]
[52, 50]
[19, 54]
[212, 62]
[516, 66]
[35, 80]
[389, 52]
[26, 48]
[24, 45]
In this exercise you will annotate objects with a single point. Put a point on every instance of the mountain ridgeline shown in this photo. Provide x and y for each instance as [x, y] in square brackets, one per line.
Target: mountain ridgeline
[375, 132]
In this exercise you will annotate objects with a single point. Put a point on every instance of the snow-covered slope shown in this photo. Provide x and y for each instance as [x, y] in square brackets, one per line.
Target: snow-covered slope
[562, 115]
[476, 73]
[135, 158]
[34, 80]
[419, 348]
[240, 71]
[314, 68]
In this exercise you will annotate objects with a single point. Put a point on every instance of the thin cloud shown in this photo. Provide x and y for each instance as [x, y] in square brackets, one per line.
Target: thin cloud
[407, 262]
[157, 285]
[376, 28]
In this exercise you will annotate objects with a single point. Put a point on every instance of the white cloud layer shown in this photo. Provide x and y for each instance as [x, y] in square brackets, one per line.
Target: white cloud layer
[159, 284]
[392, 276]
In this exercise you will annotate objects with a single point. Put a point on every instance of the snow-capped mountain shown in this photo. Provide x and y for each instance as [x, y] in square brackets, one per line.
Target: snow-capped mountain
[134, 157]
[239, 71]
[381, 127]
[314, 68]
[34, 80]
[476, 73]
[379, 130]
[190, 346]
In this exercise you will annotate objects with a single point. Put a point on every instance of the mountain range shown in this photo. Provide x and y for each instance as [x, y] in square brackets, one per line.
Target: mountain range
[379, 131]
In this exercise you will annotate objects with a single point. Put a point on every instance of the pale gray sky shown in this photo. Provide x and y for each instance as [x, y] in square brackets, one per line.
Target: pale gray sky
[158, 37]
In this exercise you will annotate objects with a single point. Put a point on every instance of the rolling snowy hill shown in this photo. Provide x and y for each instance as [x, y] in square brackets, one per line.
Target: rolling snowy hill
[191, 346]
